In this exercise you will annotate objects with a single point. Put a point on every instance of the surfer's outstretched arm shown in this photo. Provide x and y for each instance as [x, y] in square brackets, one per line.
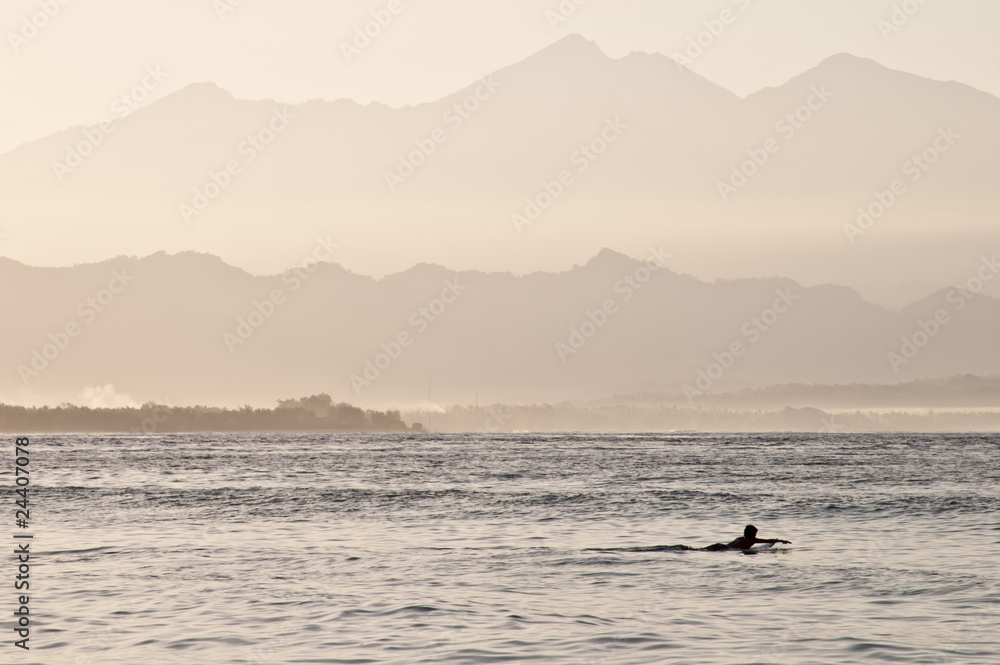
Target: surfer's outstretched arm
[746, 541]
[749, 539]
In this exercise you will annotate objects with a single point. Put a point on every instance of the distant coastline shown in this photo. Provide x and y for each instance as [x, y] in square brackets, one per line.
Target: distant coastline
[669, 419]
[316, 413]
[964, 404]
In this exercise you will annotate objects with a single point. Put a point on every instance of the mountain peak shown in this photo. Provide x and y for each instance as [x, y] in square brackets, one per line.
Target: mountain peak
[575, 45]
[848, 64]
[848, 59]
[609, 259]
[572, 51]
[607, 255]
[205, 90]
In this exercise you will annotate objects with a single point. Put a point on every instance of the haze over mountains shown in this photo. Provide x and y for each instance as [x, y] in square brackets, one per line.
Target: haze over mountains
[190, 329]
[656, 184]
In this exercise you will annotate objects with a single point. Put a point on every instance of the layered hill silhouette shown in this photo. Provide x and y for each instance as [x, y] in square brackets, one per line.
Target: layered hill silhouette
[490, 151]
[190, 329]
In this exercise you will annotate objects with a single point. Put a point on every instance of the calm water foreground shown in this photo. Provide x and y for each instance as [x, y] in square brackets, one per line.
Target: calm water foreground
[213, 549]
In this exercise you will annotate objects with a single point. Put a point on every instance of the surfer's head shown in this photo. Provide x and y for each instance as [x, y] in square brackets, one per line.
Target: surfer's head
[750, 531]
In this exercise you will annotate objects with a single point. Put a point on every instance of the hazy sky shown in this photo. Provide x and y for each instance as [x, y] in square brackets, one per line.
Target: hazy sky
[72, 69]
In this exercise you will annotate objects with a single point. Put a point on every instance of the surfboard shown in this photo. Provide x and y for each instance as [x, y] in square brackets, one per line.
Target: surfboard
[762, 546]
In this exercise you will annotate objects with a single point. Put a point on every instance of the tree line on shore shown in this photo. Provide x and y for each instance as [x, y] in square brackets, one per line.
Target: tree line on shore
[316, 413]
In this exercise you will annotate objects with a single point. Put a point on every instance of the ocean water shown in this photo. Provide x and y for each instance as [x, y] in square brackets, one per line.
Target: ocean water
[554, 549]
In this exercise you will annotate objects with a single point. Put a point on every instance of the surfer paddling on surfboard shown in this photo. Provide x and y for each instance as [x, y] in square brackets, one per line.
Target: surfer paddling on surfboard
[745, 542]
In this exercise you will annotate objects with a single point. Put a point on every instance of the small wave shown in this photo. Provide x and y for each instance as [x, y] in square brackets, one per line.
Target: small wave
[406, 609]
[89, 550]
[653, 548]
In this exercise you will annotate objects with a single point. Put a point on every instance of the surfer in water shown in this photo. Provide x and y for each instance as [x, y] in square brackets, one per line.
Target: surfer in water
[745, 542]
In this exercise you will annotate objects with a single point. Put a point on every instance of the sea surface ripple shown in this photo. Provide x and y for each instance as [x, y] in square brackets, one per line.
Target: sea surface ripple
[471, 549]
